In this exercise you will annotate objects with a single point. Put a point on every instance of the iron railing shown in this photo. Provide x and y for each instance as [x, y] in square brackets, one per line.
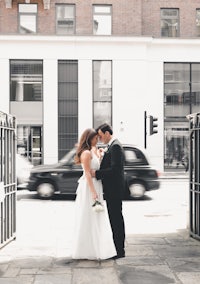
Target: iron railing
[7, 178]
[194, 175]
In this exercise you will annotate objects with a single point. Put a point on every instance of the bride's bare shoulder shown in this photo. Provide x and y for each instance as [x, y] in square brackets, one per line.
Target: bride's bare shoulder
[86, 154]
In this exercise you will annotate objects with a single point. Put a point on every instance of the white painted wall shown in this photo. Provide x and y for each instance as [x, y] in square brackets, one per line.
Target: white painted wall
[4, 84]
[137, 81]
[50, 111]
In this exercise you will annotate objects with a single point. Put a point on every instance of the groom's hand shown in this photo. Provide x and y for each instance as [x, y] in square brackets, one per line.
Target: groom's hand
[93, 173]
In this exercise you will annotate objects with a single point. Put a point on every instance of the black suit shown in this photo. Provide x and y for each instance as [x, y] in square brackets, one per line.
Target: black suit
[111, 173]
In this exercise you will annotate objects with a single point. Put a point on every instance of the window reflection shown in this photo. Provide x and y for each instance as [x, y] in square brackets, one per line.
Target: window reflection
[169, 22]
[27, 18]
[102, 91]
[26, 80]
[102, 20]
[65, 19]
[29, 143]
[181, 96]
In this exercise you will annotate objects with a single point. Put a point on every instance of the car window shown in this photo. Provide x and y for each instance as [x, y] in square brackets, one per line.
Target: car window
[134, 156]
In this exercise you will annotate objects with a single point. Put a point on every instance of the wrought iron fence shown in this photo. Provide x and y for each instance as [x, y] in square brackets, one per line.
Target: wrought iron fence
[7, 178]
[194, 174]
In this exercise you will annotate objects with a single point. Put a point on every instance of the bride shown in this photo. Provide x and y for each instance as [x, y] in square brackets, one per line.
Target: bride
[92, 238]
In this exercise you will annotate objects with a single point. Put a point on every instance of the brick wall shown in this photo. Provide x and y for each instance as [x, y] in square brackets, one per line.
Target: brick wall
[129, 17]
[187, 16]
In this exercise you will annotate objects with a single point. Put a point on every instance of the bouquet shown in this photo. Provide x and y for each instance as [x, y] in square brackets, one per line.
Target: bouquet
[97, 206]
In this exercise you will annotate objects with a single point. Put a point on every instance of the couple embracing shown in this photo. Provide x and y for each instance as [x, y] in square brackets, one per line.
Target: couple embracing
[99, 227]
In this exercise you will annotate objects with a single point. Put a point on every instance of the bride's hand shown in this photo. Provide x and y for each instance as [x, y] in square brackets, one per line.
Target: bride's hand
[94, 195]
[100, 152]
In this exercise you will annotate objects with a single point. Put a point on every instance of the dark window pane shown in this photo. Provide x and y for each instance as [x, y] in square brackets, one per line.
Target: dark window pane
[67, 106]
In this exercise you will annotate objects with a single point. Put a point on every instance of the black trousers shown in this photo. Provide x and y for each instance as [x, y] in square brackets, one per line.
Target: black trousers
[117, 223]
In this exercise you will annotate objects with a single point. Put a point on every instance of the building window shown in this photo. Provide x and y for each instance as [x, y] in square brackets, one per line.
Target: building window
[198, 22]
[26, 80]
[26, 104]
[67, 105]
[102, 19]
[65, 19]
[169, 22]
[27, 18]
[181, 97]
[29, 143]
[102, 92]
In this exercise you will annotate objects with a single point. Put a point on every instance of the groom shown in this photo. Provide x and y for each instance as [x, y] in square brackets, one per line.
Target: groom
[111, 173]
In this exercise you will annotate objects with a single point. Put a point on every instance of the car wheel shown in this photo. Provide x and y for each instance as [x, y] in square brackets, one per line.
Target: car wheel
[137, 190]
[45, 190]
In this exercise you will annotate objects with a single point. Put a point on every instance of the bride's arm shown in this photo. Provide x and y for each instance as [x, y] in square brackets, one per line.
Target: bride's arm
[86, 160]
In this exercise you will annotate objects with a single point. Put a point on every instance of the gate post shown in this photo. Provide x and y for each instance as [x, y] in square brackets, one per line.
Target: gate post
[8, 183]
[194, 175]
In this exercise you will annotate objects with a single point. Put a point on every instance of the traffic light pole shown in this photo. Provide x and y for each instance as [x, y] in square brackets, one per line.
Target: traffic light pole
[152, 127]
[145, 129]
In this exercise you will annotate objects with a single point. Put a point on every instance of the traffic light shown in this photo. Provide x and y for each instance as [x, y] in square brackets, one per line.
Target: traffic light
[153, 125]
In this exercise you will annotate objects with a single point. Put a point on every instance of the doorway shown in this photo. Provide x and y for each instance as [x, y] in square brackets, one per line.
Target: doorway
[29, 143]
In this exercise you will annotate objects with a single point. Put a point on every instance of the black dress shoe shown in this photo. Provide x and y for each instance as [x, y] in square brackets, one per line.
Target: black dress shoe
[119, 256]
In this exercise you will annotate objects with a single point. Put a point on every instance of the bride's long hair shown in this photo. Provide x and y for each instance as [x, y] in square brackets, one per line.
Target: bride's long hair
[84, 143]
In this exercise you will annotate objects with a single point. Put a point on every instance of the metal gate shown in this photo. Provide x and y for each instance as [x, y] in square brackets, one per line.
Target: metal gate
[194, 174]
[7, 178]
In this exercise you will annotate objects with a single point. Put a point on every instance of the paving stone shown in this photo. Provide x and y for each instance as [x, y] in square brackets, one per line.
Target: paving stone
[53, 279]
[11, 272]
[182, 241]
[149, 241]
[146, 275]
[32, 262]
[55, 270]
[140, 260]
[29, 271]
[177, 251]
[96, 276]
[87, 263]
[139, 250]
[189, 278]
[18, 280]
[184, 264]
[3, 268]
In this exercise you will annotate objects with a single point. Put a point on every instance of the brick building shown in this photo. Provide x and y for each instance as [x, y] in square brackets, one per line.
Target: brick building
[129, 18]
[67, 65]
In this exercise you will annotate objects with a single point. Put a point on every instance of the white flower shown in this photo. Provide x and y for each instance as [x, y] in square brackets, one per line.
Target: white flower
[97, 206]
[105, 149]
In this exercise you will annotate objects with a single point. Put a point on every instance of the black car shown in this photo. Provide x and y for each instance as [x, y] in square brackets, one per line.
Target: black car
[62, 177]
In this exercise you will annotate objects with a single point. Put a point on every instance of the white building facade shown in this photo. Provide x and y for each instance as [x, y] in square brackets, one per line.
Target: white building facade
[113, 79]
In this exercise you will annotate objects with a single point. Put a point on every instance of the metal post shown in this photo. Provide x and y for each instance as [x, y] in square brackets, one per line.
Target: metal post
[145, 129]
[194, 175]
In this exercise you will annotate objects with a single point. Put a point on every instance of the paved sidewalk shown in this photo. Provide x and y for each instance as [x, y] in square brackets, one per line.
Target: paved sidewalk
[150, 259]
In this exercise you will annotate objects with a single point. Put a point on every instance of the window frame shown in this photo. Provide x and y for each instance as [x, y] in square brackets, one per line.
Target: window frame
[74, 18]
[35, 14]
[162, 18]
[94, 101]
[15, 61]
[102, 14]
[198, 22]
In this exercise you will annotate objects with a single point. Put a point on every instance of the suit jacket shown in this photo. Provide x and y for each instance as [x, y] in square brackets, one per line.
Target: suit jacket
[111, 171]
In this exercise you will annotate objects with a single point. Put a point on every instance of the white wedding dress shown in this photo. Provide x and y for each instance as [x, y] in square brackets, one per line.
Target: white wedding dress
[92, 238]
